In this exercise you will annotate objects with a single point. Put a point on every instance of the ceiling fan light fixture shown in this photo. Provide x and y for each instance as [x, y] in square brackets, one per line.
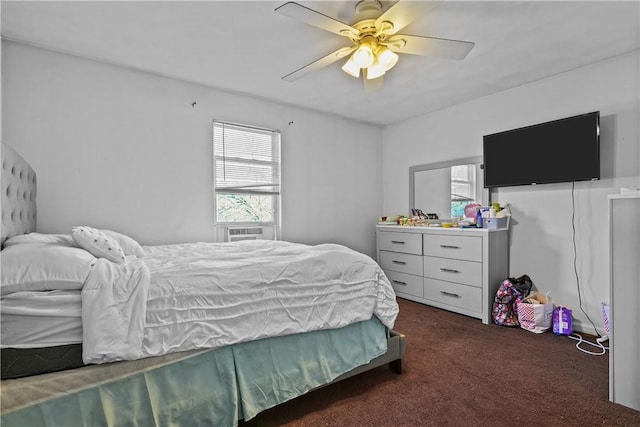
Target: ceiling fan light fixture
[363, 56]
[387, 58]
[375, 70]
[351, 68]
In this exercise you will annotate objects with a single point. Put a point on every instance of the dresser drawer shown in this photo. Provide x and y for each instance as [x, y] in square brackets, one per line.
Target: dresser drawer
[402, 263]
[454, 294]
[409, 243]
[453, 270]
[405, 283]
[458, 247]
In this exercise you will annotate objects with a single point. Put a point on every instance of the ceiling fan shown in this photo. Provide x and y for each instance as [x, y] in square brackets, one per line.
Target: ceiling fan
[374, 39]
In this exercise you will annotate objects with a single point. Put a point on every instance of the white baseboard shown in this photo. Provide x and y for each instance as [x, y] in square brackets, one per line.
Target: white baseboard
[587, 328]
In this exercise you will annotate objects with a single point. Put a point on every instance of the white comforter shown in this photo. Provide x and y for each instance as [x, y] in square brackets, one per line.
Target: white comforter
[201, 295]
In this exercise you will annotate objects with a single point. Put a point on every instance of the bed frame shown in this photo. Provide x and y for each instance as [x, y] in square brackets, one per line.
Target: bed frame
[19, 217]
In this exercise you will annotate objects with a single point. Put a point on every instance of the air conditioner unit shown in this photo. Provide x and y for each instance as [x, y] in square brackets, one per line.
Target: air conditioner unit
[235, 234]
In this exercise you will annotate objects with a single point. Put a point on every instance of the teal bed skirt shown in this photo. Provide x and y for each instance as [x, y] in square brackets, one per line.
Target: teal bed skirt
[202, 388]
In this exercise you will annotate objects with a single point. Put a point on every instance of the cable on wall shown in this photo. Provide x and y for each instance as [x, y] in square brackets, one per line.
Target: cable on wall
[575, 255]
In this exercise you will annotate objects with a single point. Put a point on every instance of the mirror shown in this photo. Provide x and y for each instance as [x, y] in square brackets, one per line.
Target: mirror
[445, 188]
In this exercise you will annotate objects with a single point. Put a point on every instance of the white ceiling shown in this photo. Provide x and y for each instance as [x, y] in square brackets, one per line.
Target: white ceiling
[245, 47]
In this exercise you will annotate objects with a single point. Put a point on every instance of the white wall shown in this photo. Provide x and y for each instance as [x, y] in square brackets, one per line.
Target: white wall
[541, 236]
[123, 149]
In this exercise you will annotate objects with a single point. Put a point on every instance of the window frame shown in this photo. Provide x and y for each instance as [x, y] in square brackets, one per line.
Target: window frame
[276, 146]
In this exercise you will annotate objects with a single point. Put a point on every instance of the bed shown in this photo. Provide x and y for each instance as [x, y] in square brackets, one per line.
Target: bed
[64, 367]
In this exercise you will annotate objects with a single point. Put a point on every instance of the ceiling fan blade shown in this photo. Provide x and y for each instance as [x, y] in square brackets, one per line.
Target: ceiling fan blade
[317, 19]
[343, 52]
[429, 46]
[372, 85]
[404, 13]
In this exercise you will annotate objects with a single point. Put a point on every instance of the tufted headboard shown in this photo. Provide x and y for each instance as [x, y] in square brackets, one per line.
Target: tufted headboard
[18, 195]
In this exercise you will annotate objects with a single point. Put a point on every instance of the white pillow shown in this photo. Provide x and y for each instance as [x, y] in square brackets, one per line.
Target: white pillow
[43, 267]
[58, 239]
[128, 245]
[98, 243]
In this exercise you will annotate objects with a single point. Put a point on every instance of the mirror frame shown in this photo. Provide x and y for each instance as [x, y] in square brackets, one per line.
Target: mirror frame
[486, 200]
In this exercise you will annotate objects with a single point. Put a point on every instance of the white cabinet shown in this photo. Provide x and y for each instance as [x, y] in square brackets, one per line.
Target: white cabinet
[624, 303]
[455, 269]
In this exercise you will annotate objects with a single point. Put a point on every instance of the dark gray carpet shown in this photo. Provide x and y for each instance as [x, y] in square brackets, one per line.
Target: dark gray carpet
[459, 372]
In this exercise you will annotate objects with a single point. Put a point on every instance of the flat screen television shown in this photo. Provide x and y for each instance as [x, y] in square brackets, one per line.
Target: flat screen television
[562, 150]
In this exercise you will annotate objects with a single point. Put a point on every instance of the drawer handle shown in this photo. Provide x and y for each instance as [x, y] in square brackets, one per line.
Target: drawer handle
[449, 247]
[398, 262]
[449, 270]
[398, 242]
[450, 294]
[398, 282]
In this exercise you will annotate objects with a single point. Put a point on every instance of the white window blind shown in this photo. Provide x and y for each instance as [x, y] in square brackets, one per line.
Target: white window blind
[246, 173]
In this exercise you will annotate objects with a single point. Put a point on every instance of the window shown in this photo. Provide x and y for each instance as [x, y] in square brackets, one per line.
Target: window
[246, 175]
[463, 188]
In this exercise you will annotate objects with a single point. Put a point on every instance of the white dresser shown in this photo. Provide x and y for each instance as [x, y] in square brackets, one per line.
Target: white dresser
[624, 341]
[455, 269]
